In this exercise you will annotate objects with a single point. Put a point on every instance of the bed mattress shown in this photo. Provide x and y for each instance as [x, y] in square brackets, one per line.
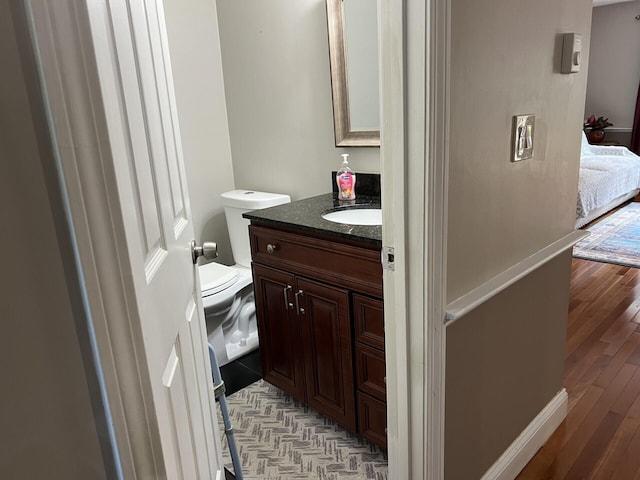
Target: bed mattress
[604, 178]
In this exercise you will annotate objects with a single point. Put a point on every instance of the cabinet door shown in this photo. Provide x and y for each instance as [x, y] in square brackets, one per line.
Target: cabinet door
[278, 330]
[372, 415]
[328, 364]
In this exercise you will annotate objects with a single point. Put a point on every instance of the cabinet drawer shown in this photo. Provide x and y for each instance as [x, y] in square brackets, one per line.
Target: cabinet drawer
[368, 321]
[372, 419]
[353, 267]
[370, 366]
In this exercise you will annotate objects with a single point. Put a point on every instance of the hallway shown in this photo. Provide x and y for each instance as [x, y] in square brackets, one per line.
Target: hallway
[600, 437]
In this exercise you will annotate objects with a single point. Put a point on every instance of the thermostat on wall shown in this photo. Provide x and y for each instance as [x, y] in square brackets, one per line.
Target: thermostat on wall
[571, 52]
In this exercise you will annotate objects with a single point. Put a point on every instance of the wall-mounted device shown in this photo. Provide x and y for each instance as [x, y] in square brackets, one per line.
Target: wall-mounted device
[523, 134]
[571, 52]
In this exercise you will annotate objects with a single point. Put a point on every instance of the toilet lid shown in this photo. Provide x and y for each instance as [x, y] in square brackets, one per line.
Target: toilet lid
[215, 277]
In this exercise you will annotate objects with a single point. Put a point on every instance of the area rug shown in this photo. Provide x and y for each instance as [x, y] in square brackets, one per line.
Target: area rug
[614, 239]
[279, 438]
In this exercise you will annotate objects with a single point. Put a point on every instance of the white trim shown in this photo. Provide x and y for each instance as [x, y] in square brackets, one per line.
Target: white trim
[392, 150]
[603, 3]
[464, 304]
[620, 129]
[437, 89]
[414, 80]
[419, 338]
[514, 458]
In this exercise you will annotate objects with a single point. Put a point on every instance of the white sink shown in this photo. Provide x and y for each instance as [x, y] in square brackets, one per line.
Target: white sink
[355, 216]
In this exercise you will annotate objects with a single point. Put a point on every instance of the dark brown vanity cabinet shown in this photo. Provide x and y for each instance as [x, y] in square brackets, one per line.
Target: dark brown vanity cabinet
[319, 313]
[280, 335]
[305, 341]
[370, 367]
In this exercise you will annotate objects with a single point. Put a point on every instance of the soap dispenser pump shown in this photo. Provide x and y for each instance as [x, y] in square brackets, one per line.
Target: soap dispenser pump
[346, 180]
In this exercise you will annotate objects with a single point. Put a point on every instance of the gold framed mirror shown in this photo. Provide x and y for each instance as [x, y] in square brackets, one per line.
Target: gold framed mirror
[353, 55]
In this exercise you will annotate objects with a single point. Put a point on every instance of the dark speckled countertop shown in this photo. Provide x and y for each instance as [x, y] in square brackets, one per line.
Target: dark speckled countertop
[306, 215]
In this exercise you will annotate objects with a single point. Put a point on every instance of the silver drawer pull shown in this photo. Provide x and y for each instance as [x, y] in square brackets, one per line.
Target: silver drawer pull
[299, 309]
[287, 303]
[271, 248]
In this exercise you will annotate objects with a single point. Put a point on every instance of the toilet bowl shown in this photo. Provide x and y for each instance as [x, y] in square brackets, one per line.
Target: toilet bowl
[227, 298]
[227, 291]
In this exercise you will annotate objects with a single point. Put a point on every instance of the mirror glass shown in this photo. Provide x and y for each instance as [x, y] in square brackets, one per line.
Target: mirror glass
[353, 50]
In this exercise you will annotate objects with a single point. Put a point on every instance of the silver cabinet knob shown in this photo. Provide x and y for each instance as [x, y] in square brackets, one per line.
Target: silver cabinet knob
[271, 248]
[208, 250]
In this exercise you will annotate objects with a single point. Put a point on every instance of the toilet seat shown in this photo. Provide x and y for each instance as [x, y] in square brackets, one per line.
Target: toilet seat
[220, 283]
[215, 277]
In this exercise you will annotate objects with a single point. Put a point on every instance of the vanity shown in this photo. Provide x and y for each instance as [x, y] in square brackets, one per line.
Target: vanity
[318, 290]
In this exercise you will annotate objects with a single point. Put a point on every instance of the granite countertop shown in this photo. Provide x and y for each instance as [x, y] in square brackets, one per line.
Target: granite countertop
[306, 215]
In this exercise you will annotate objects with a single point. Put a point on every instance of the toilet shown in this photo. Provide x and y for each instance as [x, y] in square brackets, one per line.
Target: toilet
[227, 292]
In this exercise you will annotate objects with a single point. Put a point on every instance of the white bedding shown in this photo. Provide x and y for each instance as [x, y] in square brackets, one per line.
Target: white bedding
[606, 173]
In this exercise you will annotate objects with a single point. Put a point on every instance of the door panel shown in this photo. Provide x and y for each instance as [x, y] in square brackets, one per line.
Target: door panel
[278, 329]
[187, 399]
[193, 348]
[326, 334]
[106, 70]
[157, 222]
[178, 434]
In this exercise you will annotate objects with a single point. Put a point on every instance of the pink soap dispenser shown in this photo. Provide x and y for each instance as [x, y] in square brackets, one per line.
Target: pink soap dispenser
[346, 180]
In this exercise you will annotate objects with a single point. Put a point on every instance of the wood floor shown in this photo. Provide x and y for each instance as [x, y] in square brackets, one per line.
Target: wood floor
[600, 438]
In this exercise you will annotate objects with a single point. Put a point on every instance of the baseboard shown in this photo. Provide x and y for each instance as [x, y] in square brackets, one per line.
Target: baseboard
[514, 458]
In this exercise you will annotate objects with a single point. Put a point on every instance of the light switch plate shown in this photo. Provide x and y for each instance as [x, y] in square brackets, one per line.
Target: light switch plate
[571, 53]
[524, 127]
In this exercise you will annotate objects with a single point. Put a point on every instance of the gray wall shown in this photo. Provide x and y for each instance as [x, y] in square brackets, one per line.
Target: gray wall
[46, 423]
[505, 61]
[273, 130]
[275, 59]
[614, 66]
[504, 364]
[194, 45]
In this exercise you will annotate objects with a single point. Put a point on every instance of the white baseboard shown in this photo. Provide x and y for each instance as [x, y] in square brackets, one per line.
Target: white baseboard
[514, 458]
[620, 129]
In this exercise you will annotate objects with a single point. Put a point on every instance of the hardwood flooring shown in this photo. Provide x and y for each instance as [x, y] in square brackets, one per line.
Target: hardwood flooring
[600, 438]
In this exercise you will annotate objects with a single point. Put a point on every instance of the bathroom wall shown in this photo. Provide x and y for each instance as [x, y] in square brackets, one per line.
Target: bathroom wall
[505, 359]
[614, 67]
[47, 420]
[197, 73]
[275, 58]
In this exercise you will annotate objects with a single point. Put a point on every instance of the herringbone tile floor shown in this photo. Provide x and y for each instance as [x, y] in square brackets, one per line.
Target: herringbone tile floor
[281, 439]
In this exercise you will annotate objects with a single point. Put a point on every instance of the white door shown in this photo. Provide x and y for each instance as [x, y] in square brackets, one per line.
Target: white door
[152, 189]
[124, 74]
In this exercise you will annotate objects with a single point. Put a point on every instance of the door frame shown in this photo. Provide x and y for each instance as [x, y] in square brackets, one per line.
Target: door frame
[414, 73]
[414, 82]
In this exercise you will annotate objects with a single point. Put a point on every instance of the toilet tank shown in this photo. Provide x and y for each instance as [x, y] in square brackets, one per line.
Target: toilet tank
[237, 202]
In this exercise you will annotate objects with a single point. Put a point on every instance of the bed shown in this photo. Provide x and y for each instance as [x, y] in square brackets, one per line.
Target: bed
[609, 176]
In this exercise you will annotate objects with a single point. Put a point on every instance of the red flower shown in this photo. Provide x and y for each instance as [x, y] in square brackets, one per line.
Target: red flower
[600, 123]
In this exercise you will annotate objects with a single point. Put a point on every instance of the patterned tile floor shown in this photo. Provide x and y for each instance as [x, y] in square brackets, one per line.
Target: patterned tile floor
[282, 439]
[239, 374]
